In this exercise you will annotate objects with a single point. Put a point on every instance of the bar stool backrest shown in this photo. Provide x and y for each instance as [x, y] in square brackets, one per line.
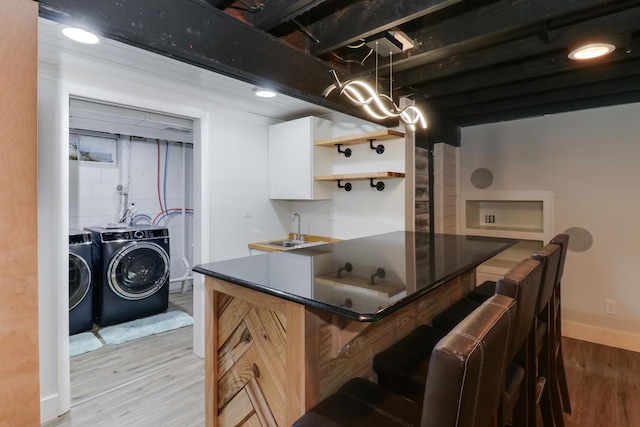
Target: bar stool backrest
[549, 257]
[466, 371]
[561, 240]
[522, 283]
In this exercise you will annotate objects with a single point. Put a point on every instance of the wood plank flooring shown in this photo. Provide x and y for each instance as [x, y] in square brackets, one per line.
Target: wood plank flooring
[604, 385]
[157, 382]
[152, 382]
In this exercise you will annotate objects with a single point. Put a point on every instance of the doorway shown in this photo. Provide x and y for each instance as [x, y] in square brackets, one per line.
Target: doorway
[129, 169]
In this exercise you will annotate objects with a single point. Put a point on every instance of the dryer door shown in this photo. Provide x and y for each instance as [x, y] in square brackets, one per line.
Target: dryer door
[79, 279]
[138, 270]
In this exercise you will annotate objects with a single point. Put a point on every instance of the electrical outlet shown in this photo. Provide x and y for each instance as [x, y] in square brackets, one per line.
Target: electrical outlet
[490, 219]
[610, 306]
[333, 213]
[248, 210]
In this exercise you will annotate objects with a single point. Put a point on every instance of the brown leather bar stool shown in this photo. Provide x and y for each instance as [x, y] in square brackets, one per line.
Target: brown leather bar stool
[561, 240]
[403, 367]
[462, 388]
[542, 373]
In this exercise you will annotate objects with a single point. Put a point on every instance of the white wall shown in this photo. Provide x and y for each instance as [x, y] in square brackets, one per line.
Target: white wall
[363, 211]
[240, 176]
[589, 160]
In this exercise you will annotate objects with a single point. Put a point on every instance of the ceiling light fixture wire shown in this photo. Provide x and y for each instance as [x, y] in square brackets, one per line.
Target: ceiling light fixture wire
[377, 105]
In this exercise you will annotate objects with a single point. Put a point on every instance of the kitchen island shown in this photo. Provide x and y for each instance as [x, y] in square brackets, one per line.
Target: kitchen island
[286, 329]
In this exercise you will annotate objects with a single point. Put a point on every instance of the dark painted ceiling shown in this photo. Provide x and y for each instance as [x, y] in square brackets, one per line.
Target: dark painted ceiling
[472, 61]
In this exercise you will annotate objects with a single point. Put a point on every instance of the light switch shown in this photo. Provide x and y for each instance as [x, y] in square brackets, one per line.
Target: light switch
[333, 213]
[248, 207]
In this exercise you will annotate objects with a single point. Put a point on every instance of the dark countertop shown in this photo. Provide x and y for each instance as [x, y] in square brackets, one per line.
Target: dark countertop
[337, 277]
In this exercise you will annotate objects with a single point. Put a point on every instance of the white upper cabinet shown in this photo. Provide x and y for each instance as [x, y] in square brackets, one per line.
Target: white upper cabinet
[293, 159]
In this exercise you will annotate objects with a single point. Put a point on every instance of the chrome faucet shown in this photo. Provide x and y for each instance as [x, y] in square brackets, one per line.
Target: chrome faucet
[298, 236]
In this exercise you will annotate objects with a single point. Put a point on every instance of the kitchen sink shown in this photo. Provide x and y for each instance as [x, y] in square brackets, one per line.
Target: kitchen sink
[294, 243]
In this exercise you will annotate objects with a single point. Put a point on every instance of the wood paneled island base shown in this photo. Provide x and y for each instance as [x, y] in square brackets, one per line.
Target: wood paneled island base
[268, 359]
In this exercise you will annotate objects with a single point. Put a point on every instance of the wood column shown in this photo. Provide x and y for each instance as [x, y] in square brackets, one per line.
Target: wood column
[19, 370]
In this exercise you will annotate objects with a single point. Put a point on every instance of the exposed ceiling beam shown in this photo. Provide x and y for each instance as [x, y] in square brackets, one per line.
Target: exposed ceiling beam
[366, 18]
[516, 50]
[576, 76]
[219, 4]
[582, 93]
[485, 26]
[206, 37]
[276, 12]
[559, 107]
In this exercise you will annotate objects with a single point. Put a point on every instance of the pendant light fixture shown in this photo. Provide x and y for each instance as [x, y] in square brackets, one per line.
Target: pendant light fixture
[378, 105]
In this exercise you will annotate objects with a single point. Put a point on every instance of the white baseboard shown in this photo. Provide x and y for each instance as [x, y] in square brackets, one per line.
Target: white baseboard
[48, 408]
[609, 337]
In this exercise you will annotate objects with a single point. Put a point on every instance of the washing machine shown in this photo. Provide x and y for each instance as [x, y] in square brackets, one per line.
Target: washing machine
[80, 282]
[131, 272]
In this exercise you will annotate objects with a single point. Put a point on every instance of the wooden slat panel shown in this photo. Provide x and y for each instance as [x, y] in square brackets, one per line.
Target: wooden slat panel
[271, 390]
[234, 348]
[257, 298]
[237, 411]
[259, 403]
[223, 302]
[254, 421]
[236, 378]
[230, 319]
[267, 352]
[274, 330]
[296, 362]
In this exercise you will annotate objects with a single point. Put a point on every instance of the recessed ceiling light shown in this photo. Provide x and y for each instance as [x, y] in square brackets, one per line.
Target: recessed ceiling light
[81, 36]
[265, 93]
[592, 50]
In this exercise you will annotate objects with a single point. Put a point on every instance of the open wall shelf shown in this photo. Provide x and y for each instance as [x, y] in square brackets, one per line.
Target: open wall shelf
[361, 138]
[361, 177]
[522, 215]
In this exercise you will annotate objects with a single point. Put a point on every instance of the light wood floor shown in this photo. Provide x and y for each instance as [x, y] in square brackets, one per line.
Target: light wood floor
[157, 382]
[604, 385]
[152, 382]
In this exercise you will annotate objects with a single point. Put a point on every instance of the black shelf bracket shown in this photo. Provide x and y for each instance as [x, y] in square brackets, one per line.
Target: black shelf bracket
[346, 186]
[379, 148]
[347, 152]
[348, 267]
[379, 273]
[378, 185]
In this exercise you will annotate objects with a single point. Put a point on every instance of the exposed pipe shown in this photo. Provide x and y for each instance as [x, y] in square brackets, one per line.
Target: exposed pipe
[185, 261]
[124, 145]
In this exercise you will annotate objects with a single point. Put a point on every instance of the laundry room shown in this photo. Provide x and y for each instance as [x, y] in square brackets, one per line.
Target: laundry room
[131, 201]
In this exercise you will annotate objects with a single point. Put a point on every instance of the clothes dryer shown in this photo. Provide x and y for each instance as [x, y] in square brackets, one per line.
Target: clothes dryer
[131, 268]
[80, 282]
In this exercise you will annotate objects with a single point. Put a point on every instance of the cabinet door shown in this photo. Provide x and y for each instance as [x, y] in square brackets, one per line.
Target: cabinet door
[291, 159]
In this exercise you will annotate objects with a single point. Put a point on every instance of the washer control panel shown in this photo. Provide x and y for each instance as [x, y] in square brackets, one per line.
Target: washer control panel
[134, 234]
